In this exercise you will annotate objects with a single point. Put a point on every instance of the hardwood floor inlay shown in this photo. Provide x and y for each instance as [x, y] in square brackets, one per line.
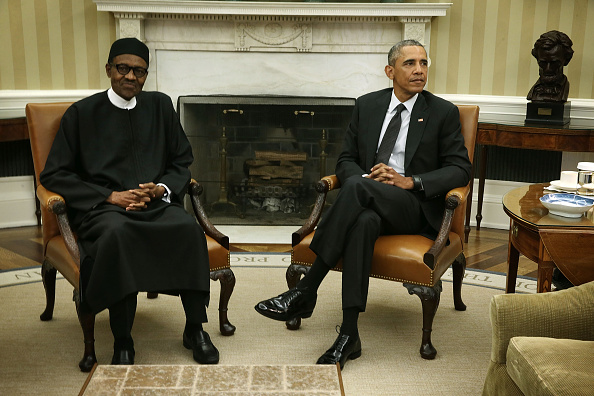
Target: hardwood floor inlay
[11, 260]
[20, 247]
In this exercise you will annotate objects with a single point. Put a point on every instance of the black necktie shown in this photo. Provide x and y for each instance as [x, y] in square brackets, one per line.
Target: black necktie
[390, 136]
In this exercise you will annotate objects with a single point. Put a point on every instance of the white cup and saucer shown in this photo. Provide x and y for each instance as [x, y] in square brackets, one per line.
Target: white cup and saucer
[567, 182]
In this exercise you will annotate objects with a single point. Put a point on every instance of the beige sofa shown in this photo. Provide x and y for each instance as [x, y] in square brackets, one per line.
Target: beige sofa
[543, 344]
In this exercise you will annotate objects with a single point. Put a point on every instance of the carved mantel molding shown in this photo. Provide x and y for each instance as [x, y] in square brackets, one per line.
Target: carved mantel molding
[189, 7]
[286, 48]
[290, 23]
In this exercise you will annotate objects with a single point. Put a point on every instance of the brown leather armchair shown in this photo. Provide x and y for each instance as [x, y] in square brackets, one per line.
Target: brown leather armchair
[405, 258]
[60, 249]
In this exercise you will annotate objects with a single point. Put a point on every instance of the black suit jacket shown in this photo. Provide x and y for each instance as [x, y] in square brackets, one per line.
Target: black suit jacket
[435, 148]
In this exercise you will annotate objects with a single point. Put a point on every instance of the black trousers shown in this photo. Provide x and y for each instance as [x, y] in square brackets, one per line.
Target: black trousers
[364, 210]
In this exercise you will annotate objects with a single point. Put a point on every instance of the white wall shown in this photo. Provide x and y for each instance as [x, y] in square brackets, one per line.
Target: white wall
[17, 202]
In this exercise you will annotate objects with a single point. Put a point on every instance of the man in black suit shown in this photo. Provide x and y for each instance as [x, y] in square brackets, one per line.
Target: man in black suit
[403, 151]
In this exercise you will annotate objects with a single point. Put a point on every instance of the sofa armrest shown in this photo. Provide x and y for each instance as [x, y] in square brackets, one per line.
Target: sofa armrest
[561, 314]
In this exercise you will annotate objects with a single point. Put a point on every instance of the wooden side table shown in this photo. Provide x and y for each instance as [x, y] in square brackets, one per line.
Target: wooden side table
[16, 129]
[520, 135]
[549, 240]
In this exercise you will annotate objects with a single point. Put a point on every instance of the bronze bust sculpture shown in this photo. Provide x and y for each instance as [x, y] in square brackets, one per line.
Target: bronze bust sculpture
[552, 51]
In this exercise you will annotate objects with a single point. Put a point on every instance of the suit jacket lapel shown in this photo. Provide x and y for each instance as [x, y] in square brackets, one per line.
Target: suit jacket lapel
[375, 126]
[418, 120]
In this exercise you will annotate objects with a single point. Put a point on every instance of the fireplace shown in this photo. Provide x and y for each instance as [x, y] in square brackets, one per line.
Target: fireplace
[258, 157]
[312, 53]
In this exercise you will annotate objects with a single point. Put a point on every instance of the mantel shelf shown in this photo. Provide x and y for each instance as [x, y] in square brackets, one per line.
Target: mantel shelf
[187, 7]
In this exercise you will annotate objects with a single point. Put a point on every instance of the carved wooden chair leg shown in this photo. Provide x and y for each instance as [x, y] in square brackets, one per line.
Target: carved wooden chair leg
[87, 322]
[227, 279]
[430, 301]
[458, 270]
[48, 275]
[293, 275]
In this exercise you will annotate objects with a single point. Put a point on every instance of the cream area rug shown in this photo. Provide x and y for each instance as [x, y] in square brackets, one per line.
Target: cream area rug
[41, 357]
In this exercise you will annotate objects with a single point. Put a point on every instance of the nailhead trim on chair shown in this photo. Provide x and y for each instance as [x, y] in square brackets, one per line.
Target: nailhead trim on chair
[224, 267]
[218, 268]
[52, 200]
[330, 183]
[372, 275]
[460, 196]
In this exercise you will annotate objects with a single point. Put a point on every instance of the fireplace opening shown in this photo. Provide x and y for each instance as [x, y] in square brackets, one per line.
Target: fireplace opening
[259, 157]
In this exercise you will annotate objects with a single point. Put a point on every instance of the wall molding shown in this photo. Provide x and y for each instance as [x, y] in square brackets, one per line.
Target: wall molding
[513, 108]
[13, 102]
[493, 108]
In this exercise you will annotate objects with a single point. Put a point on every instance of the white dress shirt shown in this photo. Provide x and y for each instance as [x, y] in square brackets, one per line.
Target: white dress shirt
[397, 157]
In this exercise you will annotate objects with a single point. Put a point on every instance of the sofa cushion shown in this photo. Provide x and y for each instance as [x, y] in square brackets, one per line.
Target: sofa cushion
[548, 366]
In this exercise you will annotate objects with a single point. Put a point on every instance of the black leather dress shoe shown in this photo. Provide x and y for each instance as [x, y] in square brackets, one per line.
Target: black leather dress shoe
[202, 347]
[289, 305]
[343, 349]
[124, 355]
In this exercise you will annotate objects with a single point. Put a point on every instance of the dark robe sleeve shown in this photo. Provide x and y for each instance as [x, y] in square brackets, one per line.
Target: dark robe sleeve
[179, 155]
[62, 168]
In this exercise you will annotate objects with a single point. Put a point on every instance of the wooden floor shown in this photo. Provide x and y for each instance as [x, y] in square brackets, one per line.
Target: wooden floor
[486, 250]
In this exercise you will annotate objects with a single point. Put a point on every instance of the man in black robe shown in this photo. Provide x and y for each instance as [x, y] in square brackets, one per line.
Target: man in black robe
[120, 159]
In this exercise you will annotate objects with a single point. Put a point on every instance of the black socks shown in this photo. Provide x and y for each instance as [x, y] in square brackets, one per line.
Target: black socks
[192, 328]
[350, 317]
[314, 277]
[123, 343]
[310, 284]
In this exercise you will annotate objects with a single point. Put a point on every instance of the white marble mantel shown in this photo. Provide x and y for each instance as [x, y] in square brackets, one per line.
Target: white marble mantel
[286, 48]
[272, 8]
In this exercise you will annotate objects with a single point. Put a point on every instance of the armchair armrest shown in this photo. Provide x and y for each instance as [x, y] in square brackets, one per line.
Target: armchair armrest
[565, 314]
[56, 204]
[327, 183]
[460, 192]
[453, 199]
[195, 190]
[48, 200]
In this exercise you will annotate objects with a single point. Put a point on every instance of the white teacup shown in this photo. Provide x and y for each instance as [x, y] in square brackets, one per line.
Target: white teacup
[569, 178]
